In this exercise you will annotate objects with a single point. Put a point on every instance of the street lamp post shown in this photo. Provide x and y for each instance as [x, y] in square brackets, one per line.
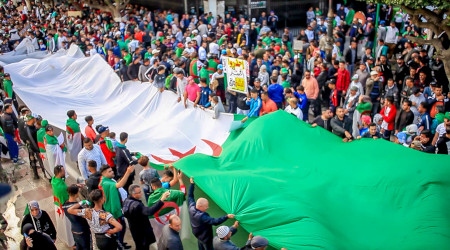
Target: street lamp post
[330, 39]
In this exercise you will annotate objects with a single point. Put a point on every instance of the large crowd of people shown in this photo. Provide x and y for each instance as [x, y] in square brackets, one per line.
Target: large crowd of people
[355, 92]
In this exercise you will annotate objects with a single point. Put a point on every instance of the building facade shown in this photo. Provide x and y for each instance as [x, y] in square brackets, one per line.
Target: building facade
[291, 13]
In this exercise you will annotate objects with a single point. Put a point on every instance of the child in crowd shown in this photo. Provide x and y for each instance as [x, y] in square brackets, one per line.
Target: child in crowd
[146, 175]
[302, 101]
[205, 91]
[112, 137]
[365, 122]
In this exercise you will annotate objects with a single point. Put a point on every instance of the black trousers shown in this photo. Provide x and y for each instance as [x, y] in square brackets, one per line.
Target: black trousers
[106, 243]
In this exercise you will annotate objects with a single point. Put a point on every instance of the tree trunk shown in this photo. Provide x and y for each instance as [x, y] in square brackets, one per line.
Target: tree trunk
[116, 14]
[27, 2]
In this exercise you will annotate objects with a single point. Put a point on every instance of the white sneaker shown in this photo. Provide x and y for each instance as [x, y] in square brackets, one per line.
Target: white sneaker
[19, 162]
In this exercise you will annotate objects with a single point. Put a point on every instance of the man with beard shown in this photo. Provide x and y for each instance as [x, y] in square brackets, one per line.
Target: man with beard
[342, 125]
[385, 68]
[323, 120]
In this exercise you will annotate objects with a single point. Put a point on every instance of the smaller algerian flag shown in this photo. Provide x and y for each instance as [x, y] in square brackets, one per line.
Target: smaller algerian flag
[27, 210]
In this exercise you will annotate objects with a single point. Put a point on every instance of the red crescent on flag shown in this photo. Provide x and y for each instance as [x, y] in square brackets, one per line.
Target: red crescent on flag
[216, 148]
[181, 155]
[216, 151]
[166, 205]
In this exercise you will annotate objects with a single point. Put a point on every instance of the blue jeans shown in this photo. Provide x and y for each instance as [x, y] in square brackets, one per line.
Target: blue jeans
[82, 241]
[12, 147]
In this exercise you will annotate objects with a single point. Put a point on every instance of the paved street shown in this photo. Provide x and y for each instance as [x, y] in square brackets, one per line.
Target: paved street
[25, 189]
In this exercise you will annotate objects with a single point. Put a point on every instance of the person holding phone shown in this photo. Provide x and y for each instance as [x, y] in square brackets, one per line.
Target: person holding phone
[37, 240]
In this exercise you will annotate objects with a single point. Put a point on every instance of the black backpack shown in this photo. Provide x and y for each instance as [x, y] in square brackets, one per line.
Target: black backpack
[129, 206]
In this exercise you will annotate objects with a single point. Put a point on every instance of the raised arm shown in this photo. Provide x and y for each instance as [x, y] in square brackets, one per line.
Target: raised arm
[124, 179]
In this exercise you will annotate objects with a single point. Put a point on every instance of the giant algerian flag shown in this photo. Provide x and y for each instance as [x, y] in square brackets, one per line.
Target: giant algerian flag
[303, 188]
[157, 125]
[21, 52]
[298, 186]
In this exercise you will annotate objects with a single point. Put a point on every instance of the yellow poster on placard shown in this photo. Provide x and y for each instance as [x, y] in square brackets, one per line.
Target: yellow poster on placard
[237, 73]
[73, 13]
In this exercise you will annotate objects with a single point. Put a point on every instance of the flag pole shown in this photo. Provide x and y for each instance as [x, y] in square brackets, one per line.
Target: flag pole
[34, 223]
[377, 20]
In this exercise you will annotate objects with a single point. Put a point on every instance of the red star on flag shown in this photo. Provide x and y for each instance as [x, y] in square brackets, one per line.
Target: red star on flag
[59, 211]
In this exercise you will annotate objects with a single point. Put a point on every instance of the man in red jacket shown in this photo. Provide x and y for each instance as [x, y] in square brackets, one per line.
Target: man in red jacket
[388, 112]
[107, 146]
[342, 81]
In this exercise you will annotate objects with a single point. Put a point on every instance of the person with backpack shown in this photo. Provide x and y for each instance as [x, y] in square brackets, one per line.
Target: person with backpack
[146, 175]
[137, 215]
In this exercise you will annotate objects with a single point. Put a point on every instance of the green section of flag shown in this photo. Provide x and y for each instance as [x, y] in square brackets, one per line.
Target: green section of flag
[303, 188]
[27, 210]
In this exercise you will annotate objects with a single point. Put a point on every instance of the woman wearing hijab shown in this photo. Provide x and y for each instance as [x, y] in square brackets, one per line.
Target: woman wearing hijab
[37, 240]
[42, 221]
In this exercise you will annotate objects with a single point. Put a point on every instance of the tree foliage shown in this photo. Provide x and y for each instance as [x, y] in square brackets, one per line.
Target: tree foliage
[428, 14]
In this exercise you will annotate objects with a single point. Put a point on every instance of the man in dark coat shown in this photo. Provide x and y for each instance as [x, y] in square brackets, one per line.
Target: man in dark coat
[137, 216]
[201, 222]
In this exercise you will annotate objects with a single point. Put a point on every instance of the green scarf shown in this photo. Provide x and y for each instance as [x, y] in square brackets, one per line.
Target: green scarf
[72, 126]
[60, 194]
[112, 203]
[52, 140]
[109, 144]
[7, 85]
[364, 106]
[40, 139]
[168, 79]
[175, 196]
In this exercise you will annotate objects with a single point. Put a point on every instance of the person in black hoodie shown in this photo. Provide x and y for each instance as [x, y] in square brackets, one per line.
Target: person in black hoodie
[37, 240]
[94, 179]
[133, 69]
[30, 139]
[41, 219]
[124, 160]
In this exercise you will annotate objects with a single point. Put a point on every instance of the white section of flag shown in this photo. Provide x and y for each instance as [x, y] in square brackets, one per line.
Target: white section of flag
[154, 121]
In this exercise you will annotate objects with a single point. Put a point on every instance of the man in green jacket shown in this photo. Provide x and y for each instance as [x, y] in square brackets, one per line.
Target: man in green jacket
[172, 205]
[113, 201]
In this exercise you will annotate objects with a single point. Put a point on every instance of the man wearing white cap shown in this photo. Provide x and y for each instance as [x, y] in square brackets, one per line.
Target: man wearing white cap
[197, 37]
[355, 82]
[222, 240]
